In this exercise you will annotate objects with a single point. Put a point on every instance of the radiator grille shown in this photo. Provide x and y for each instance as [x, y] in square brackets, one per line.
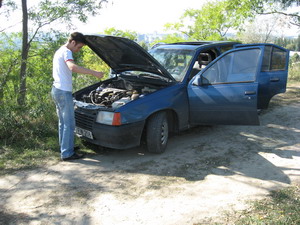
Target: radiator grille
[85, 120]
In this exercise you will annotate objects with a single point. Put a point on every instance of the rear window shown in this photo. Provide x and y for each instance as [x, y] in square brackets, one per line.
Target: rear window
[274, 59]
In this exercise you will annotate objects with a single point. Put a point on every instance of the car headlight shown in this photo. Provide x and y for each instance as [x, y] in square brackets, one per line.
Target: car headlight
[109, 118]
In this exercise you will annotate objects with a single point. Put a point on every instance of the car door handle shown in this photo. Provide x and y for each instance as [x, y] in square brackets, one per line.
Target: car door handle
[250, 92]
[274, 79]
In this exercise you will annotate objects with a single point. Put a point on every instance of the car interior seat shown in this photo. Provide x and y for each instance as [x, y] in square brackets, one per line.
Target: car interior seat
[204, 59]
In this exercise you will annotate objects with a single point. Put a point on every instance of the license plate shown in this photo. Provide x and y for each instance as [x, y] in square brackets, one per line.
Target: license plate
[82, 132]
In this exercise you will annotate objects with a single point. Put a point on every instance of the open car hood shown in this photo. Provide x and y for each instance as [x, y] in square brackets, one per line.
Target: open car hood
[123, 54]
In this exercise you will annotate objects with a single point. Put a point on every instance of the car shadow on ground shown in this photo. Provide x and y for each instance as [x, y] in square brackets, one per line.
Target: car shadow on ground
[221, 150]
[197, 159]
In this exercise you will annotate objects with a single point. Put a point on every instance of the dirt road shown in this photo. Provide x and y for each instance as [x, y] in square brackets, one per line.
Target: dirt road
[204, 172]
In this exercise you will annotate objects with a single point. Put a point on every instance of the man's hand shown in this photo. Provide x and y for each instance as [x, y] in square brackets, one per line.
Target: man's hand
[98, 74]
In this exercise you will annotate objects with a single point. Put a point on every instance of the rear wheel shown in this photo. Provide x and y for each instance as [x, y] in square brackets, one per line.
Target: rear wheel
[157, 133]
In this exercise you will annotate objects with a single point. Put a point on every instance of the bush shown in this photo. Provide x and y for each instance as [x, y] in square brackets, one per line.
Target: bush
[25, 124]
[294, 72]
[28, 136]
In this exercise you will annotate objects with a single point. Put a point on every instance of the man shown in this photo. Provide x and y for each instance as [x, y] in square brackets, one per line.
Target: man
[63, 66]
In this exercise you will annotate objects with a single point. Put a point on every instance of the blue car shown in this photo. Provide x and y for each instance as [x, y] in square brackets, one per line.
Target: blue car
[174, 87]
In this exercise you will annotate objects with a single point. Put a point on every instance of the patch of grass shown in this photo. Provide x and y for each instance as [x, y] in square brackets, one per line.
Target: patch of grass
[280, 207]
[294, 73]
[14, 158]
[291, 96]
[28, 137]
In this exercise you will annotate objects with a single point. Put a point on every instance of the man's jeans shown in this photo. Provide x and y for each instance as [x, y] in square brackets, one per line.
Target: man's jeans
[66, 120]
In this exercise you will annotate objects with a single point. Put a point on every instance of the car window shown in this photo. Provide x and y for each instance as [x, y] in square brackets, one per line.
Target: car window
[238, 66]
[274, 59]
[278, 59]
[176, 61]
[225, 48]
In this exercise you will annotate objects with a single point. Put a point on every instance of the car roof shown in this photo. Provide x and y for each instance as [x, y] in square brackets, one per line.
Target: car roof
[194, 45]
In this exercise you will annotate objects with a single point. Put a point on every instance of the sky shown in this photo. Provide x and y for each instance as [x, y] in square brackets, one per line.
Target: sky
[142, 16]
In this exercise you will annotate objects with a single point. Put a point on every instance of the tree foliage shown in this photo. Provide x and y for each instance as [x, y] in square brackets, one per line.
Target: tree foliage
[286, 3]
[46, 13]
[9, 60]
[171, 38]
[280, 6]
[8, 6]
[20, 123]
[132, 35]
[216, 18]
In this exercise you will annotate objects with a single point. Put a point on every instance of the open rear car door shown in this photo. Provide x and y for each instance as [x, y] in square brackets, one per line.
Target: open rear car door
[273, 74]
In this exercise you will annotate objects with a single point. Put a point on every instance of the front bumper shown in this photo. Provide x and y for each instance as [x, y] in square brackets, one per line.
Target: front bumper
[117, 137]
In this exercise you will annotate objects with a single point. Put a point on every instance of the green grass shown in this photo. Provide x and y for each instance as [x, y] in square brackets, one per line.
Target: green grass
[15, 158]
[294, 72]
[29, 137]
[281, 207]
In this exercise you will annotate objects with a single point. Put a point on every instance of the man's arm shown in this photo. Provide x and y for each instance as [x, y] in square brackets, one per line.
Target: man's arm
[78, 69]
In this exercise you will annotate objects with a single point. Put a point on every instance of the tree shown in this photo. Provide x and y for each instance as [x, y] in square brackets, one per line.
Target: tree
[24, 56]
[216, 18]
[8, 7]
[46, 13]
[8, 62]
[213, 20]
[132, 35]
[280, 7]
[295, 58]
[170, 38]
[263, 29]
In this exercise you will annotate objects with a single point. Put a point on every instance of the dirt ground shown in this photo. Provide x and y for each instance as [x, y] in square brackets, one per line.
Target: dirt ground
[204, 173]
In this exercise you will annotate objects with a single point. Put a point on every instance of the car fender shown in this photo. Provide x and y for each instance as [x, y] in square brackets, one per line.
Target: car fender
[173, 98]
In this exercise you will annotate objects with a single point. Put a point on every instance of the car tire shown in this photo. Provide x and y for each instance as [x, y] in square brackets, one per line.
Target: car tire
[157, 133]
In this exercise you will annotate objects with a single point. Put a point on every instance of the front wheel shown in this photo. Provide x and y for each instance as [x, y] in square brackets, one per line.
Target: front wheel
[157, 133]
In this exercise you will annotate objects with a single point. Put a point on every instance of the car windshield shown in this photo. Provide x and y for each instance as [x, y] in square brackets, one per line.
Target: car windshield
[176, 61]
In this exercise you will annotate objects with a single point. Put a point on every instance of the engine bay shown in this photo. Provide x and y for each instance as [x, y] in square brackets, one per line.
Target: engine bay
[118, 92]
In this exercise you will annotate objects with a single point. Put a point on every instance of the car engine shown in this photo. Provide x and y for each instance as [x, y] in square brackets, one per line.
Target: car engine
[117, 93]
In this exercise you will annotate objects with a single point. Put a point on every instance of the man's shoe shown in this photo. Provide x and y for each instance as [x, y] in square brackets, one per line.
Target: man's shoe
[73, 157]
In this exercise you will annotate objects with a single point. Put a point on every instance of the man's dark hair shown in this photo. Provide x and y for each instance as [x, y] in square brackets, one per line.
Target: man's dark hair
[77, 37]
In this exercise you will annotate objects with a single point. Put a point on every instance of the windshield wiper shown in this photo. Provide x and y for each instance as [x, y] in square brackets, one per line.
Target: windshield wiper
[153, 76]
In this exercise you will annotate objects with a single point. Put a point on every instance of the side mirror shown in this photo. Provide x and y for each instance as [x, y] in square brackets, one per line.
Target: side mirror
[204, 81]
[197, 81]
[201, 81]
